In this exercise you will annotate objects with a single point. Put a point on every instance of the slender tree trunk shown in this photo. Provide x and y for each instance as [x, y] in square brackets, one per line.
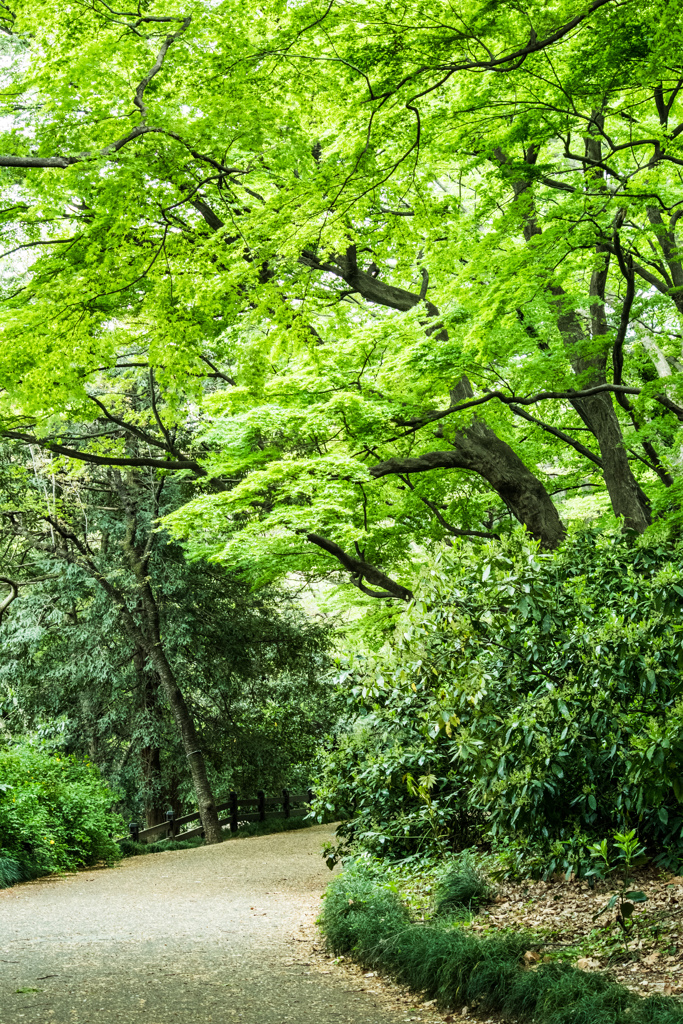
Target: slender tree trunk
[202, 787]
[150, 762]
[139, 563]
[150, 754]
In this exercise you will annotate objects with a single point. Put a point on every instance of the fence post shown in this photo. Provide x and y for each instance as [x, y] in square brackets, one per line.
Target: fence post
[285, 802]
[309, 796]
[261, 805]
[233, 811]
[134, 831]
[170, 818]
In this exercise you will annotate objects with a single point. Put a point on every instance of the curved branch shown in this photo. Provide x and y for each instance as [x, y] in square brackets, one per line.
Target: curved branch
[360, 569]
[139, 98]
[542, 396]
[12, 596]
[106, 460]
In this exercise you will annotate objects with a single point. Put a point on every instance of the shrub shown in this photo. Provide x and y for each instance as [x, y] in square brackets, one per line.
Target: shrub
[54, 814]
[529, 701]
[362, 917]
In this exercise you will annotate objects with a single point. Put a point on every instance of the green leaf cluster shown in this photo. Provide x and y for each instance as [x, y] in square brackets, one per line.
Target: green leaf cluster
[540, 697]
[55, 810]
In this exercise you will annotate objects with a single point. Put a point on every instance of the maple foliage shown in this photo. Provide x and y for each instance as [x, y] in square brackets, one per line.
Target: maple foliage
[326, 261]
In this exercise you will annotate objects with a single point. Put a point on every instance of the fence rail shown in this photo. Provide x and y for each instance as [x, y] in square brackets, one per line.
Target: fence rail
[287, 805]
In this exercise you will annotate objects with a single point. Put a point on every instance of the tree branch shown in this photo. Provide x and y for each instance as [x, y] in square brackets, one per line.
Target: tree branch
[542, 396]
[360, 569]
[139, 98]
[560, 434]
[12, 596]
[105, 460]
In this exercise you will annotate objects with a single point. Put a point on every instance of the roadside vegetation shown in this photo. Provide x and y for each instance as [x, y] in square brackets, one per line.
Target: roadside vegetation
[446, 960]
[341, 406]
[55, 814]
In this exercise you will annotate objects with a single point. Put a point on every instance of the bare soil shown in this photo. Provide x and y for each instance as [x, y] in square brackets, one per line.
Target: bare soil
[562, 913]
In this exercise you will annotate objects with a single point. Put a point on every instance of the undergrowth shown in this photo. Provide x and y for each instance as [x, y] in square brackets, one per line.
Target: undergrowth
[13, 871]
[462, 888]
[447, 962]
[257, 828]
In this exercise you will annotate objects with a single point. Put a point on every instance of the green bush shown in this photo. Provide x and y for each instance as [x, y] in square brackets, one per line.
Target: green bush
[528, 701]
[54, 814]
[362, 917]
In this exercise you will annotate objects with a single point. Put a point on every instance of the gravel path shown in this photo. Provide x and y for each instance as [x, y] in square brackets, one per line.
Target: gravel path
[221, 933]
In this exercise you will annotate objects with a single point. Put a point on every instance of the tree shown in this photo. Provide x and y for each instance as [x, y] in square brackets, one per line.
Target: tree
[248, 673]
[348, 263]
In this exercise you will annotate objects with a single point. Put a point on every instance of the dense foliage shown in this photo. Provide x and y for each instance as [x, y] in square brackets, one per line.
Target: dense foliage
[529, 701]
[319, 286]
[366, 275]
[251, 668]
[55, 813]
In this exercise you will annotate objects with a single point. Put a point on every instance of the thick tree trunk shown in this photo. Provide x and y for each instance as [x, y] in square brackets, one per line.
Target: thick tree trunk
[598, 413]
[477, 448]
[480, 450]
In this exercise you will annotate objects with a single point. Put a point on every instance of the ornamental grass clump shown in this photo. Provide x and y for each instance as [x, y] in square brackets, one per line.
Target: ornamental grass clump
[461, 889]
[445, 961]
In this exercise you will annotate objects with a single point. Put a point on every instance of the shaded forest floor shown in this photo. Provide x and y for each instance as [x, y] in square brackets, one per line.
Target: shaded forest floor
[561, 916]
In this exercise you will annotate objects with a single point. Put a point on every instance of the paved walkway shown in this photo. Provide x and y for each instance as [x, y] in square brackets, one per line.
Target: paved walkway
[220, 934]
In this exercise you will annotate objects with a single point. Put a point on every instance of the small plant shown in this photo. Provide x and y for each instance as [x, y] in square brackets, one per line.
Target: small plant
[463, 887]
[10, 872]
[630, 854]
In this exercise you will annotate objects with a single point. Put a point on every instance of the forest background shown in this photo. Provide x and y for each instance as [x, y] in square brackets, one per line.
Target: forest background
[340, 396]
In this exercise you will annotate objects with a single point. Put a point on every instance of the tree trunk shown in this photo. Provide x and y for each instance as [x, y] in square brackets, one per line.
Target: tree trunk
[477, 448]
[598, 413]
[151, 637]
[150, 762]
[150, 755]
[480, 450]
[202, 787]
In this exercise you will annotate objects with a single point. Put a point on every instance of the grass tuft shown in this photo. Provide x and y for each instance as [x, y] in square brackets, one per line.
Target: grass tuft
[462, 888]
[10, 872]
[447, 962]
[13, 871]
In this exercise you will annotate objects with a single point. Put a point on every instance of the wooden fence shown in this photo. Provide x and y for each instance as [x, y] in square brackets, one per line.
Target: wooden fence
[240, 809]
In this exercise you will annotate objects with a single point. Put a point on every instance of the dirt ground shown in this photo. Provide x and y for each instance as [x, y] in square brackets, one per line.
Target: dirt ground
[562, 915]
[220, 933]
